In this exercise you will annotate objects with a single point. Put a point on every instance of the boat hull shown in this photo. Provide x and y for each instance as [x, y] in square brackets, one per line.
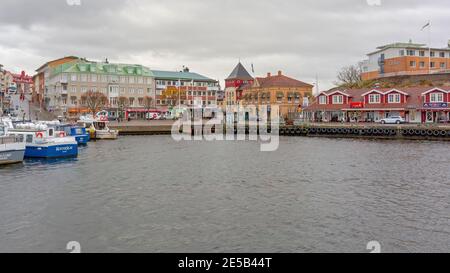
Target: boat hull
[51, 151]
[11, 157]
[82, 139]
[111, 135]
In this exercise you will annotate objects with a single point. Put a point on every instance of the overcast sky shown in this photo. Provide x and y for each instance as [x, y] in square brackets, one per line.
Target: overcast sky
[302, 38]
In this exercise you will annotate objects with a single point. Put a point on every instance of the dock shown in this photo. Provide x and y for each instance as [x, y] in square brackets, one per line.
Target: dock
[439, 132]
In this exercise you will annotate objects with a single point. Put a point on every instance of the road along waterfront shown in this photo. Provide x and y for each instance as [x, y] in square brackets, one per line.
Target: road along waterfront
[153, 194]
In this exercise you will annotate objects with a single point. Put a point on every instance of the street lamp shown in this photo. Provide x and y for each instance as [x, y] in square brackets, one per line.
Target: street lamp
[2, 93]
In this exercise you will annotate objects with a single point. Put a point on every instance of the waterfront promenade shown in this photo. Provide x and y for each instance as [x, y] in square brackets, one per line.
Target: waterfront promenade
[340, 130]
[143, 127]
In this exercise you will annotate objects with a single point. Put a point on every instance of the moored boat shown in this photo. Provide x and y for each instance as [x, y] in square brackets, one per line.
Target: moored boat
[98, 128]
[41, 142]
[78, 132]
[12, 150]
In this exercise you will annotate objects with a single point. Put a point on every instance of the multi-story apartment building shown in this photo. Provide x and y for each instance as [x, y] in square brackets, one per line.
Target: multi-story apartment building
[238, 78]
[43, 74]
[399, 59]
[289, 94]
[185, 88]
[66, 83]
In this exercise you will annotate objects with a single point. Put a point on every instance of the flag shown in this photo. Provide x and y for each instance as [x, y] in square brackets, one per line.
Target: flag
[425, 26]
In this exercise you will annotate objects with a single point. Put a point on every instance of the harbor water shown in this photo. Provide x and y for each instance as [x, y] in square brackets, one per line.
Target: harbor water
[152, 194]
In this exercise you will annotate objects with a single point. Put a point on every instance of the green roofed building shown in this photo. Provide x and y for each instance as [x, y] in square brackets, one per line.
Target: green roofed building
[61, 84]
[185, 88]
[66, 83]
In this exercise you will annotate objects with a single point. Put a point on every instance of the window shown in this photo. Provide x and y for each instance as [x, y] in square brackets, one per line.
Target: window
[432, 54]
[433, 64]
[411, 52]
[141, 101]
[94, 77]
[422, 64]
[436, 97]
[83, 77]
[422, 53]
[374, 98]
[442, 54]
[338, 99]
[131, 100]
[443, 65]
[412, 63]
[73, 77]
[402, 52]
[394, 98]
[29, 138]
[73, 100]
[322, 100]
[73, 89]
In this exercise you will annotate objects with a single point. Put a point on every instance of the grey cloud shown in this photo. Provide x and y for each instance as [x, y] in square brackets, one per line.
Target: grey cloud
[304, 38]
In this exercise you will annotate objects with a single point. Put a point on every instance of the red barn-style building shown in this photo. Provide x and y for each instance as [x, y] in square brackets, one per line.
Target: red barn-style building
[416, 105]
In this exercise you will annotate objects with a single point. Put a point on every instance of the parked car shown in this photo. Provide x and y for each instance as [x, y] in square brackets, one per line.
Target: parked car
[393, 120]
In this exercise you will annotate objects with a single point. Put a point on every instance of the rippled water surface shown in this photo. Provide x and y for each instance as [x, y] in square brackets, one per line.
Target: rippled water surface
[151, 194]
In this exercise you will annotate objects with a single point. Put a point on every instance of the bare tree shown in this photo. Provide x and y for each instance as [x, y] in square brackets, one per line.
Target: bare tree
[148, 103]
[122, 103]
[350, 76]
[94, 101]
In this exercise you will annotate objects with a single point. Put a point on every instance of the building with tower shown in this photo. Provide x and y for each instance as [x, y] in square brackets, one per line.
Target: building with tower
[234, 84]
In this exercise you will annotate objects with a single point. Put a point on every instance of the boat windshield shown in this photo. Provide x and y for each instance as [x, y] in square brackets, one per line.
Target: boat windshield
[2, 131]
[100, 125]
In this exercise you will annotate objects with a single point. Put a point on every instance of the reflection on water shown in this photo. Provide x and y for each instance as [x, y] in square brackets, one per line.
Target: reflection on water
[152, 194]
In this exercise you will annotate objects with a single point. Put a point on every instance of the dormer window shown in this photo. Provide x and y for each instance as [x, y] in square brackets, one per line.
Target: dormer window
[394, 98]
[338, 99]
[436, 97]
[374, 98]
[322, 100]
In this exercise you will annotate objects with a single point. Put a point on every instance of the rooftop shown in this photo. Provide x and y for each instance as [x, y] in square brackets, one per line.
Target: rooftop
[180, 75]
[239, 73]
[84, 66]
[279, 80]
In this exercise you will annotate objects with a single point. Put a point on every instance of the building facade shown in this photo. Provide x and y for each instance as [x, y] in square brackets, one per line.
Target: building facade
[289, 94]
[415, 104]
[234, 84]
[400, 59]
[42, 75]
[66, 83]
[184, 88]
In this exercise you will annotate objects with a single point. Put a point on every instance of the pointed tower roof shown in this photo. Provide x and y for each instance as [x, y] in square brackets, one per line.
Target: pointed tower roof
[239, 73]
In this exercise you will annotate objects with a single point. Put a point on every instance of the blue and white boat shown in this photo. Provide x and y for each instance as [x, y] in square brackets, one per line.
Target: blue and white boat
[12, 150]
[78, 132]
[41, 141]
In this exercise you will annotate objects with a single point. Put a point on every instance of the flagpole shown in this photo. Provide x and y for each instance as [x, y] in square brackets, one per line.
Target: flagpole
[429, 47]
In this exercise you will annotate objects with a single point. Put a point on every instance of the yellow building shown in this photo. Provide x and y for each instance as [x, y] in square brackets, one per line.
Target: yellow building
[289, 94]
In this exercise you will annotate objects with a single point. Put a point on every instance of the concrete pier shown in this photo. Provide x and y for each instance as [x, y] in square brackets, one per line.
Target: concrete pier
[338, 130]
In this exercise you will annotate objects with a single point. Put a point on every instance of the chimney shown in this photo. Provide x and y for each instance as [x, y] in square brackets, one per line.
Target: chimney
[268, 74]
[280, 72]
